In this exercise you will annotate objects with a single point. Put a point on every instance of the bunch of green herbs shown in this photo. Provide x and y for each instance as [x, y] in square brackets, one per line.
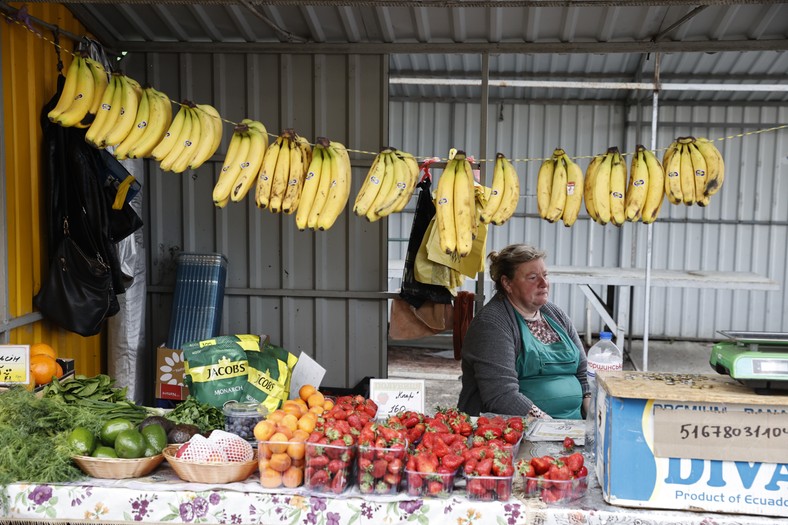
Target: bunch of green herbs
[193, 412]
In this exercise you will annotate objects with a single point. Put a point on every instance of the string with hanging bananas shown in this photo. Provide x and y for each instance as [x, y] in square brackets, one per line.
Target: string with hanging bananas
[388, 186]
[504, 193]
[242, 162]
[559, 188]
[326, 187]
[694, 171]
[86, 81]
[604, 188]
[456, 212]
[283, 173]
[646, 188]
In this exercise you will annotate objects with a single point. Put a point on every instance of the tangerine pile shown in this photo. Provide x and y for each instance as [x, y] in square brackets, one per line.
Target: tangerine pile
[43, 366]
[282, 435]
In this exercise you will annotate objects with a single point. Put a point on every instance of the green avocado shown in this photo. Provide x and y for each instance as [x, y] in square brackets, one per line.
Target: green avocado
[155, 437]
[130, 444]
[111, 428]
[103, 451]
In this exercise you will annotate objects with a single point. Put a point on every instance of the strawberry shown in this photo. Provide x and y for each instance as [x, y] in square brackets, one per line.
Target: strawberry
[540, 465]
[575, 462]
[516, 423]
[452, 461]
[335, 465]
[318, 479]
[569, 444]
[379, 467]
[484, 467]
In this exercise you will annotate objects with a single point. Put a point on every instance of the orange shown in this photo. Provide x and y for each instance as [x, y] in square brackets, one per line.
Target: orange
[42, 349]
[283, 429]
[276, 416]
[296, 450]
[42, 368]
[279, 462]
[328, 405]
[278, 444]
[270, 479]
[293, 409]
[300, 436]
[316, 410]
[305, 391]
[58, 369]
[316, 399]
[307, 422]
[290, 421]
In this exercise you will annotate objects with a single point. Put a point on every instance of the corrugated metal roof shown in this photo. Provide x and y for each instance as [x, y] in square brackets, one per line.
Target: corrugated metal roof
[705, 41]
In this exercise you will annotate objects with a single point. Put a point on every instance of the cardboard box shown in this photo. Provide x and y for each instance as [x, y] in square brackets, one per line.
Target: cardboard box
[691, 442]
[169, 374]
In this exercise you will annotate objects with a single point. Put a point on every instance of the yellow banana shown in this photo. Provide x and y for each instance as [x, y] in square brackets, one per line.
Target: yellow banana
[656, 188]
[266, 177]
[618, 188]
[444, 208]
[69, 89]
[295, 180]
[324, 185]
[281, 175]
[129, 103]
[182, 142]
[210, 134]
[137, 131]
[637, 191]
[574, 191]
[412, 178]
[464, 205]
[686, 174]
[398, 189]
[544, 186]
[671, 162]
[496, 191]
[602, 187]
[389, 178]
[159, 120]
[166, 144]
[371, 185]
[698, 170]
[339, 190]
[83, 97]
[511, 194]
[310, 187]
[229, 170]
[250, 165]
[100, 82]
[588, 186]
[106, 112]
[715, 166]
[558, 191]
[306, 158]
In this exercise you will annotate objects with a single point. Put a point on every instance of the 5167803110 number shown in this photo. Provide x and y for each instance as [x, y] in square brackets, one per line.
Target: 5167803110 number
[692, 431]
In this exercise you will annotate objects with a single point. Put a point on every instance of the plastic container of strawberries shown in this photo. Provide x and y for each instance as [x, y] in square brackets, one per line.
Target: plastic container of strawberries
[380, 470]
[488, 488]
[328, 468]
[553, 491]
[429, 484]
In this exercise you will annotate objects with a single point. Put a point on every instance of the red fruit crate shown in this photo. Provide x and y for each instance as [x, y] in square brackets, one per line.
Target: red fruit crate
[429, 484]
[488, 488]
[328, 468]
[380, 469]
[553, 491]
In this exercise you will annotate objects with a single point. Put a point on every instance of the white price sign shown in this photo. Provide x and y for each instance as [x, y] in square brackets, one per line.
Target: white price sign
[396, 395]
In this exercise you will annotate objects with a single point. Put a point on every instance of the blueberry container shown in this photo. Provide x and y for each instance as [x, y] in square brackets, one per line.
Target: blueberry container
[241, 418]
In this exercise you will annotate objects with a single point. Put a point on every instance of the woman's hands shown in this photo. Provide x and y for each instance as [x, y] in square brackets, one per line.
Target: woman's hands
[538, 412]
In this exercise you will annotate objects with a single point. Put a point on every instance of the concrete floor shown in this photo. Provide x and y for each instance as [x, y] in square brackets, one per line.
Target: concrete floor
[435, 364]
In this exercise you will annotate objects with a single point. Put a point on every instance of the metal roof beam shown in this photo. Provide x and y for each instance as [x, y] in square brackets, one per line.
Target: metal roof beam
[380, 48]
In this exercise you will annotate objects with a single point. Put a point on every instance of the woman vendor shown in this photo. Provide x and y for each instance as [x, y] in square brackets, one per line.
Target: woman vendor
[521, 354]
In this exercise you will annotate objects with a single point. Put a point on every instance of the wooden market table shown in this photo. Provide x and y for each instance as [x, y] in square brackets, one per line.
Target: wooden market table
[163, 498]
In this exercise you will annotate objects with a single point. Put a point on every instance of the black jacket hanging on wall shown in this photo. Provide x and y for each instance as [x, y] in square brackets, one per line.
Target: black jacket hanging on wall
[74, 183]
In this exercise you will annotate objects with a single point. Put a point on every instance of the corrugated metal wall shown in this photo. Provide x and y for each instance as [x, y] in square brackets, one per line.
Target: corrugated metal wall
[29, 81]
[744, 228]
[321, 293]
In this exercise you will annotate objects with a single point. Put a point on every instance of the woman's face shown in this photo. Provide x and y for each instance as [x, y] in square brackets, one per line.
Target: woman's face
[529, 287]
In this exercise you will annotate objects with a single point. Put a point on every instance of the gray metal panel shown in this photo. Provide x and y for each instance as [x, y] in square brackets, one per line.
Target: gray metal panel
[743, 229]
[320, 293]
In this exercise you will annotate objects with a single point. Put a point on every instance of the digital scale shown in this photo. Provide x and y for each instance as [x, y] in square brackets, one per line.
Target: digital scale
[758, 360]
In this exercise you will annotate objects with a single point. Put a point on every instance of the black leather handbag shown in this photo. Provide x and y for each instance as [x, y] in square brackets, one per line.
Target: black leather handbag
[77, 292]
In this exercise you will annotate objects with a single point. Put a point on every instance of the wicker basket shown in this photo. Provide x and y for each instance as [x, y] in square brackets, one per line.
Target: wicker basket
[205, 472]
[116, 468]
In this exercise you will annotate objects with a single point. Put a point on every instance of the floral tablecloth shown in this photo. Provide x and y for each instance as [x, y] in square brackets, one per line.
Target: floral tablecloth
[163, 498]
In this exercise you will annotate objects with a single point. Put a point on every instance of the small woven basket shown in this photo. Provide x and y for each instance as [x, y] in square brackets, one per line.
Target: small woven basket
[209, 472]
[117, 468]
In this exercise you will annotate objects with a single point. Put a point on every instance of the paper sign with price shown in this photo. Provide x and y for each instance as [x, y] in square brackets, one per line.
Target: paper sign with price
[395, 395]
[14, 365]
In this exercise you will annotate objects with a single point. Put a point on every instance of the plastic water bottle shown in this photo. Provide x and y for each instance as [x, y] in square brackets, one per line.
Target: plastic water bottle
[604, 355]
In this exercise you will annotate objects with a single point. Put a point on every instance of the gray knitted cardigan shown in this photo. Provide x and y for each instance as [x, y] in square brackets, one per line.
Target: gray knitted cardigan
[489, 350]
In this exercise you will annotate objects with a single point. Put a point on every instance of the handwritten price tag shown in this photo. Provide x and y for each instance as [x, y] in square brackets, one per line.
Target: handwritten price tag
[396, 395]
[731, 435]
[14, 364]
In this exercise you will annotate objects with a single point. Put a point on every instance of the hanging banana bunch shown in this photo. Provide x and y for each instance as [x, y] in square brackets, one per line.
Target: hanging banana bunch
[646, 188]
[388, 186]
[242, 162]
[605, 188]
[455, 206]
[86, 81]
[504, 193]
[559, 188]
[694, 171]
[326, 186]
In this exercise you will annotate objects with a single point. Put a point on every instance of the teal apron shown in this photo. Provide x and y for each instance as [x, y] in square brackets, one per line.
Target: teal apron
[546, 372]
